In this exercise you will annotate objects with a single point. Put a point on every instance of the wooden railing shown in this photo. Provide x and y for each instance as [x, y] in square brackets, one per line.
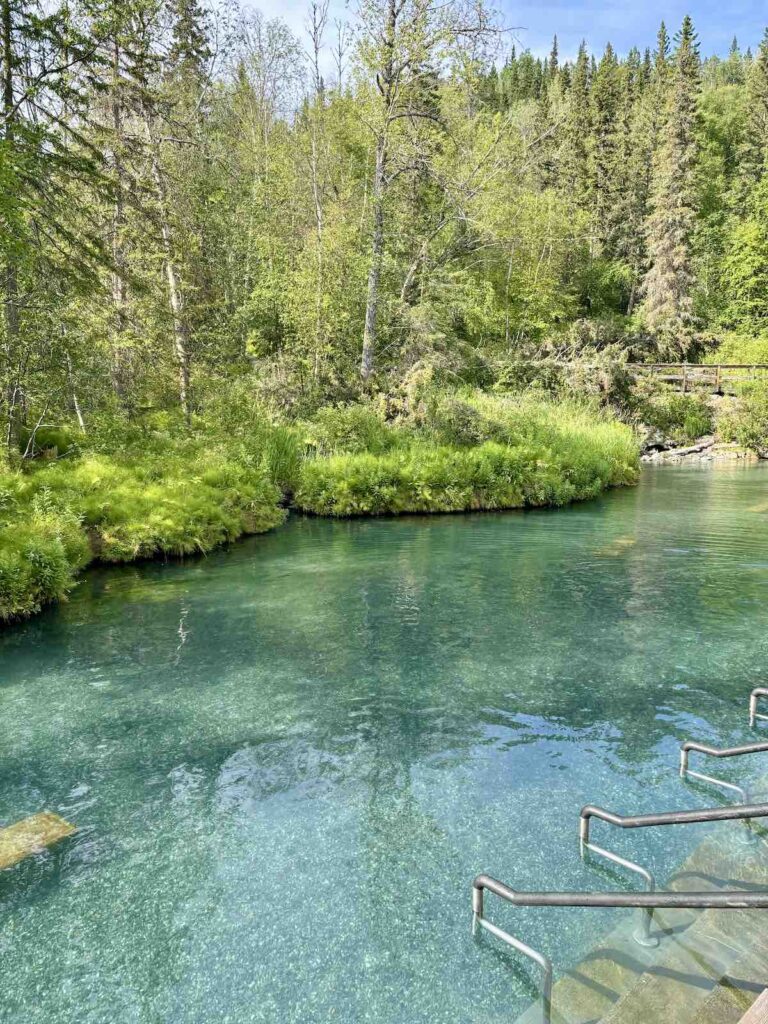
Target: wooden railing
[720, 378]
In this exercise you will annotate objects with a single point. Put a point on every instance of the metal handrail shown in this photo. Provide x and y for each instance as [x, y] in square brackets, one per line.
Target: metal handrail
[733, 900]
[643, 935]
[757, 693]
[702, 748]
[730, 813]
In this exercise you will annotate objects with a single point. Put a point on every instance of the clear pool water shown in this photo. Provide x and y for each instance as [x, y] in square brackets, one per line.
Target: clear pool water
[287, 761]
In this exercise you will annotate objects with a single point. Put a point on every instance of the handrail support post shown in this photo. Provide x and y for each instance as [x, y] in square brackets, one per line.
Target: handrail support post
[757, 693]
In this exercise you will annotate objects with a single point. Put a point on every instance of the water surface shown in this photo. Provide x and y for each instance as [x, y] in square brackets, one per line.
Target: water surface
[287, 761]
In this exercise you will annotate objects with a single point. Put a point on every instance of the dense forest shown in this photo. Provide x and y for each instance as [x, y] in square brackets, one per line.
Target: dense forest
[191, 194]
[214, 233]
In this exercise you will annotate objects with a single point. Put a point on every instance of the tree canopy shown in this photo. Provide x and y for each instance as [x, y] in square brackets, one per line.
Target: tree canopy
[191, 194]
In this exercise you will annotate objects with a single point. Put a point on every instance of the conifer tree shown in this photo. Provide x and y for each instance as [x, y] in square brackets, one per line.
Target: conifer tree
[605, 172]
[633, 160]
[753, 155]
[668, 285]
[577, 130]
[190, 49]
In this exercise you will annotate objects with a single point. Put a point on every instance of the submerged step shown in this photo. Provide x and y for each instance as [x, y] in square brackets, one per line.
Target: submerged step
[758, 1014]
[30, 836]
[697, 949]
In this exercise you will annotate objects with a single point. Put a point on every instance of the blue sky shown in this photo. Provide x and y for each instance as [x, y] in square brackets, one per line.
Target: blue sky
[628, 23]
[625, 23]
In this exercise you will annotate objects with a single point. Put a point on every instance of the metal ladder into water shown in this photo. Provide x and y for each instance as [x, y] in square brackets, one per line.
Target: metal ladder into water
[651, 899]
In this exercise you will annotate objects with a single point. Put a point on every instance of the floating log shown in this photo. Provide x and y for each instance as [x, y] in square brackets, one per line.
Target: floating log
[31, 836]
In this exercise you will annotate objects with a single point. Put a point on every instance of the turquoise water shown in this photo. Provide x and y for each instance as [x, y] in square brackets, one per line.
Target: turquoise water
[287, 761]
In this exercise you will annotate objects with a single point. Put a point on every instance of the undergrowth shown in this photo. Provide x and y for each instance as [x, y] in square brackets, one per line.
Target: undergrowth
[148, 490]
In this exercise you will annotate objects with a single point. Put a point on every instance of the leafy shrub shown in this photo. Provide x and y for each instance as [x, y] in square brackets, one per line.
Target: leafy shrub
[681, 418]
[747, 423]
[741, 348]
[520, 376]
[451, 420]
[350, 429]
[47, 440]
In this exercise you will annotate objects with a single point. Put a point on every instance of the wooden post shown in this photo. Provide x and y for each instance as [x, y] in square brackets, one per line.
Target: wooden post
[685, 377]
[717, 379]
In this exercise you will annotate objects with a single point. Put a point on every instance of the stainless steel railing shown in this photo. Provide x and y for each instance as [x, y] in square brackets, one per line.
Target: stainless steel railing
[689, 746]
[651, 899]
[757, 693]
[645, 900]
[728, 813]
[643, 935]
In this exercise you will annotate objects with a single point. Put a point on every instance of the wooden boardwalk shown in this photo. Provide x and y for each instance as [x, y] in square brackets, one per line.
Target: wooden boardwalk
[719, 378]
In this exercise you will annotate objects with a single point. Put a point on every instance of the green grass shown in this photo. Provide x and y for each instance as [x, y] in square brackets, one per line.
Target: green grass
[183, 496]
[477, 452]
[57, 518]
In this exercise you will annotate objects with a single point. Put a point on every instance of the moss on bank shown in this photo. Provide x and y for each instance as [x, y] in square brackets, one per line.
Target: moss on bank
[451, 453]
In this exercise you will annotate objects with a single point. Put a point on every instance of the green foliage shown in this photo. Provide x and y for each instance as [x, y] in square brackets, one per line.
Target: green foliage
[747, 423]
[350, 429]
[58, 517]
[48, 441]
[745, 266]
[40, 553]
[740, 348]
[680, 418]
[503, 454]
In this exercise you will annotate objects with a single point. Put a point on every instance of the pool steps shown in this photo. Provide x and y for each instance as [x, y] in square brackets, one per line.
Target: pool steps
[707, 948]
[711, 966]
[30, 836]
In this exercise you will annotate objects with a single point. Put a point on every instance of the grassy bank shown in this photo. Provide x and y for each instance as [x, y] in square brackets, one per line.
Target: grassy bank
[58, 518]
[189, 495]
[470, 453]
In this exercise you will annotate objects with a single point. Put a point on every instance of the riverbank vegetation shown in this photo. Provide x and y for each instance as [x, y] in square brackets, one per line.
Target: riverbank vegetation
[395, 264]
[186, 497]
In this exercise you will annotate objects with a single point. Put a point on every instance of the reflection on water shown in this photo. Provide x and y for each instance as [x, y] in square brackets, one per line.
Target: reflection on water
[287, 761]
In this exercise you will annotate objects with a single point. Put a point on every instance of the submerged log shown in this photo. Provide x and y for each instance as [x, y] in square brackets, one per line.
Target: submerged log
[31, 836]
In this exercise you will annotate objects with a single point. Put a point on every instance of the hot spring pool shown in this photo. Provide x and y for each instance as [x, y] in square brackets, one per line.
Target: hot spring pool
[287, 761]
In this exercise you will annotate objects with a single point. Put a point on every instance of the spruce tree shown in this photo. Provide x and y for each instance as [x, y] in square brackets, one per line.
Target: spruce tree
[544, 142]
[634, 152]
[753, 155]
[554, 60]
[605, 172]
[668, 285]
[661, 55]
[577, 131]
[190, 49]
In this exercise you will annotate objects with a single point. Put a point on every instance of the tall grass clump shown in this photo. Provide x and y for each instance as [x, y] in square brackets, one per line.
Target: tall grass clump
[41, 552]
[747, 422]
[60, 516]
[477, 452]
